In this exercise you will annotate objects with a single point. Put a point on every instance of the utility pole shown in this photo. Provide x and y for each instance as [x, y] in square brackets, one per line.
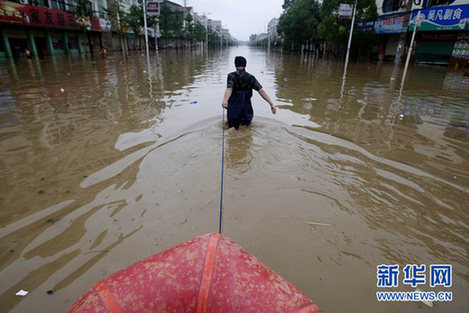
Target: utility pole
[354, 10]
[144, 4]
[403, 35]
[418, 21]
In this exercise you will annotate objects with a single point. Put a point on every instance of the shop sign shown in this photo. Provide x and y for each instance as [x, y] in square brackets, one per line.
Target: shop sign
[153, 8]
[390, 24]
[461, 49]
[450, 17]
[105, 24]
[345, 10]
[365, 26]
[21, 14]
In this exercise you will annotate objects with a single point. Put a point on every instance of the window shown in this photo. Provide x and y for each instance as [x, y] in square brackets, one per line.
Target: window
[432, 3]
[391, 5]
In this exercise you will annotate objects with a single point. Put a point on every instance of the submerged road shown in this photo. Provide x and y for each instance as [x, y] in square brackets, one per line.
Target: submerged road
[105, 162]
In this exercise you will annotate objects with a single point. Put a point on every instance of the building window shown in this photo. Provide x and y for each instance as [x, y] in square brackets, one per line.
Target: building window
[391, 5]
[58, 4]
[432, 3]
[39, 3]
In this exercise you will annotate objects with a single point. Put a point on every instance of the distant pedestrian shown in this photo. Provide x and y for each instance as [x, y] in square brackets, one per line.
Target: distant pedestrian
[238, 95]
[103, 52]
[27, 53]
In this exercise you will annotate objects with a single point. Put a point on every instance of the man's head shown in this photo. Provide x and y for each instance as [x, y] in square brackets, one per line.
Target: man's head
[240, 62]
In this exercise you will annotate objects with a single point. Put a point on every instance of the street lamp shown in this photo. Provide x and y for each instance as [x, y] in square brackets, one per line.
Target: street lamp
[206, 26]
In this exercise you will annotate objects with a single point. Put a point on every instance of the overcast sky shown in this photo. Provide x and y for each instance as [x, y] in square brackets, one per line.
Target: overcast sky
[241, 17]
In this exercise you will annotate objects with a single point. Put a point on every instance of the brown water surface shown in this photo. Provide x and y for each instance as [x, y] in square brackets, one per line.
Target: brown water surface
[105, 162]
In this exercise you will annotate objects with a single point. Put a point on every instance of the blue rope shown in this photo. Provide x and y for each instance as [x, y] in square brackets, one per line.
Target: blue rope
[222, 167]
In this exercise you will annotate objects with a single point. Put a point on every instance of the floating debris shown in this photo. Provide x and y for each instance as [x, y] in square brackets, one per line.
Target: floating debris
[426, 302]
[62, 90]
[318, 224]
[22, 293]
[193, 155]
[50, 292]
[193, 102]
[401, 116]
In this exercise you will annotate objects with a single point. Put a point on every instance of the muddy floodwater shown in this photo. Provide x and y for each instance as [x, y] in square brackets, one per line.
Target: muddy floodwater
[106, 162]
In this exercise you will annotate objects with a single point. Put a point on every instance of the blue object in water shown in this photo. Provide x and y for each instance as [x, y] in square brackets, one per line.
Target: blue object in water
[193, 102]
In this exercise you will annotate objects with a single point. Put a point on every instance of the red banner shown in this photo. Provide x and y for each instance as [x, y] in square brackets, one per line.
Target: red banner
[21, 14]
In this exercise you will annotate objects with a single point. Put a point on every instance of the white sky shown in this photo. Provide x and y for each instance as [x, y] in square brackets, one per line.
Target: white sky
[241, 17]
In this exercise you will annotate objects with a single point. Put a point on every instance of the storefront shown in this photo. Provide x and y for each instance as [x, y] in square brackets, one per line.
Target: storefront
[388, 28]
[440, 29]
[45, 31]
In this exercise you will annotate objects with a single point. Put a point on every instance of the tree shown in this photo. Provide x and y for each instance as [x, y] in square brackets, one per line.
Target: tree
[84, 13]
[213, 39]
[135, 19]
[119, 25]
[170, 22]
[189, 29]
[298, 24]
[200, 32]
[287, 4]
[335, 30]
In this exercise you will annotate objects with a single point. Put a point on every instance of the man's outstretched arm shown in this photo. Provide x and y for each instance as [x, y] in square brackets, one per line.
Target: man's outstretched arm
[227, 96]
[266, 98]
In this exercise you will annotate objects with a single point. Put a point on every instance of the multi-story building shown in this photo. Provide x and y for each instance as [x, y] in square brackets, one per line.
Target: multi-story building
[214, 26]
[202, 19]
[443, 31]
[181, 10]
[272, 29]
[225, 35]
[48, 27]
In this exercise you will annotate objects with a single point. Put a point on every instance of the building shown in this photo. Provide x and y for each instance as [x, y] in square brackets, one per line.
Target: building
[48, 27]
[214, 26]
[272, 29]
[202, 19]
[225, 35]
[181, 10]
[441, 38]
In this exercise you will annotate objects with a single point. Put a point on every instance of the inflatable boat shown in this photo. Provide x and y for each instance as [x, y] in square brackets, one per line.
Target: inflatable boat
[209, 273]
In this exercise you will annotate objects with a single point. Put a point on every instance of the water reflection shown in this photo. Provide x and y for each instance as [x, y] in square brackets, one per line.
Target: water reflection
[238, 149]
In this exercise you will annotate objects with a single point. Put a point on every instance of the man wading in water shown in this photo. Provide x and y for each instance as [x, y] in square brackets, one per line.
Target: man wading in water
[238, 95]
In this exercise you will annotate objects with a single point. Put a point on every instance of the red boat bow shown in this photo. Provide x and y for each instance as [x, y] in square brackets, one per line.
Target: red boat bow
[209, 273]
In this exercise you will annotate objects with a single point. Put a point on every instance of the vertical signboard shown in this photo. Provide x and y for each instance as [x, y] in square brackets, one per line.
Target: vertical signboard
[345, 10]
[153, 8]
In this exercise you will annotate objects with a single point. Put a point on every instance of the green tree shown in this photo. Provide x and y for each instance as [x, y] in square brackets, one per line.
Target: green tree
[335, 30]
[134, 19]
[84, 13]
[287, 4]
[189, 28]
[118, 22]
[83, 8]
[170, 22]
[199, 32]
[299, 22]
[213, 39]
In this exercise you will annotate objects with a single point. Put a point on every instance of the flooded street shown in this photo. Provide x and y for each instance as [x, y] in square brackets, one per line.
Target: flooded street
[105, 162]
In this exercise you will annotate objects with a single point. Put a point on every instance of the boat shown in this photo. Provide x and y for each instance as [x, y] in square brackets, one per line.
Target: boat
[209, 273]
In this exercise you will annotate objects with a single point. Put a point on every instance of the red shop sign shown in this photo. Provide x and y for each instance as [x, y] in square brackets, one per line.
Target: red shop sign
[21, 14]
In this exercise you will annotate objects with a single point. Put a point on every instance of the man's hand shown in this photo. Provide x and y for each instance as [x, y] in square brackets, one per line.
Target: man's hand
[273, 109]
[225, 105]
